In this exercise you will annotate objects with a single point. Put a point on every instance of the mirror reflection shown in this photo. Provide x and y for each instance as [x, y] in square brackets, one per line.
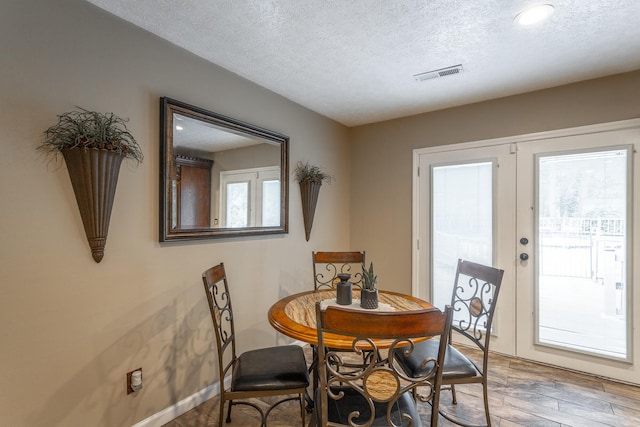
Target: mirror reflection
[222, 177]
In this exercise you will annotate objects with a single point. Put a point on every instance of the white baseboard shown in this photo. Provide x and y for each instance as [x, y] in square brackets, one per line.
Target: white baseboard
[174, 411]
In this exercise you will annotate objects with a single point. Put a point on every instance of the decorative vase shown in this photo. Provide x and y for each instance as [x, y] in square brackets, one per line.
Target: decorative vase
[94, 176]
[369, 298]
[309, 194]
[344, 290]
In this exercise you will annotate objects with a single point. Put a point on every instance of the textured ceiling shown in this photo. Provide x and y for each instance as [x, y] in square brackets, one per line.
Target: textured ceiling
[354, 61]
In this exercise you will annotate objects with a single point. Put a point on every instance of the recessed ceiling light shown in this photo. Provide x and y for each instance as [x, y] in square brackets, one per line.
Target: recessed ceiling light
[178, 127]
[534, 14]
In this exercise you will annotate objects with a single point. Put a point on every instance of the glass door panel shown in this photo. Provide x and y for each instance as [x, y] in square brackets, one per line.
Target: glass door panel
[582, 241]
[462, 221]
[237, 205]
[270, 203]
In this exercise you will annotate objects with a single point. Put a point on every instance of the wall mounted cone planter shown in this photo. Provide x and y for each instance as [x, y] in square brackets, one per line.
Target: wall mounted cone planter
[94, 176]
[309, 194]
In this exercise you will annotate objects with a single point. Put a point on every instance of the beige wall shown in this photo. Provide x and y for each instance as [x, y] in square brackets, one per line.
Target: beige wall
[70, 329]
[381, 169]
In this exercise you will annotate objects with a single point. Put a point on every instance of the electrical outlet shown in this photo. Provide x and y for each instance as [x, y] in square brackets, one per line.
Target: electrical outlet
[130, 389]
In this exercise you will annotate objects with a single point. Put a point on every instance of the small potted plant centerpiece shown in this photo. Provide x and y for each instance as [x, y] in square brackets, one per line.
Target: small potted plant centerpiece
[369, 292]
[93, 146]
[310, 178]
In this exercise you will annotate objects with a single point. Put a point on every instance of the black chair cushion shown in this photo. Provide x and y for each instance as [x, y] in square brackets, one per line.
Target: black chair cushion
[456, 364]
[338, 410]
[272, 368]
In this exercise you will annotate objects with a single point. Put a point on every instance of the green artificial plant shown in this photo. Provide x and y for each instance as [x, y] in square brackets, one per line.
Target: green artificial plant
[89, 129]
[304, 172]
[369, 279]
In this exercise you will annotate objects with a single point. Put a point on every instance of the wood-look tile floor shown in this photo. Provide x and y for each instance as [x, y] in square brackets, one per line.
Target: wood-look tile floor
[521, 393]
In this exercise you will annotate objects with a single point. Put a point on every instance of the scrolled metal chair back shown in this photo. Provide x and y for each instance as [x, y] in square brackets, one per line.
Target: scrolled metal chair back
[217, 291]
[475, 293]
[379, 379]
[328, 265]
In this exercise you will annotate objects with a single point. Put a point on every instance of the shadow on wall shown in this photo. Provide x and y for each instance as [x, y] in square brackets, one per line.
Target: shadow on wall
[180, 368]
[291, 283]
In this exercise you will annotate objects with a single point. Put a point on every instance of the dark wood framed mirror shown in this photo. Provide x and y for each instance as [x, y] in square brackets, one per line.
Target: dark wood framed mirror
[219, 177]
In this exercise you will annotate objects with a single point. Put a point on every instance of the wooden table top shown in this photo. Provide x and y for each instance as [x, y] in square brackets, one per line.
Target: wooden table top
[295, 315]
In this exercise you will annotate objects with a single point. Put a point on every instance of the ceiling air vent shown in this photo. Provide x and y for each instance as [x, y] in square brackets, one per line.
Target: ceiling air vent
[443, 72]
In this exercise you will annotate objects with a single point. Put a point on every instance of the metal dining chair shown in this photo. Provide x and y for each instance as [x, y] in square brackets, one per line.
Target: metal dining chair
[327, 266]
[474, 297]
[378, 393]
[272, 371]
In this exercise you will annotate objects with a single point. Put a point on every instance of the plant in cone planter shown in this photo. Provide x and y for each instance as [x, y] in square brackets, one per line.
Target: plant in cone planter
[93, 146]
[369, 293]
[310, 178]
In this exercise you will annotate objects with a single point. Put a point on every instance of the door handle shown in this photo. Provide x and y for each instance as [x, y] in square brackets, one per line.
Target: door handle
[524, 256]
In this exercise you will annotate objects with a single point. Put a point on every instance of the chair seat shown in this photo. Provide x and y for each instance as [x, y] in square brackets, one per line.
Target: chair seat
[456, 364]
[272, 368]
[338, 410]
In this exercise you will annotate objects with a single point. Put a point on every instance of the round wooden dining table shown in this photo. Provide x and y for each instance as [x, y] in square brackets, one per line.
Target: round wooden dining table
[295, 315]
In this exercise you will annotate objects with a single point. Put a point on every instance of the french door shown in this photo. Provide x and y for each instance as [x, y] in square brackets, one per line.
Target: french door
[250, 198]
[554, 210]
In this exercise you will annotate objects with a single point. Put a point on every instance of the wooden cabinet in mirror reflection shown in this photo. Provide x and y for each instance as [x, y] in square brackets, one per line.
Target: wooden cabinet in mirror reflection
[192, 192]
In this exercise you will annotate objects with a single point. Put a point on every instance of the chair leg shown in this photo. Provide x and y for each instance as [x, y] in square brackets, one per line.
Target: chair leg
[228, 413]
[313, 369]
[302, 407]
[485, 393]
[435, 407]
[453, 394]
[221, 411]
[313, 422]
